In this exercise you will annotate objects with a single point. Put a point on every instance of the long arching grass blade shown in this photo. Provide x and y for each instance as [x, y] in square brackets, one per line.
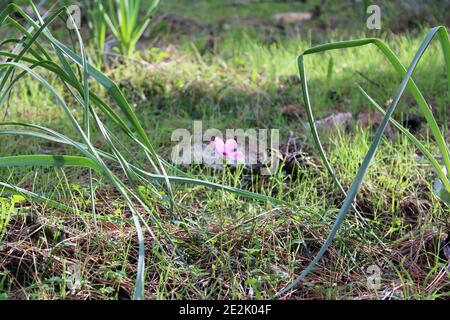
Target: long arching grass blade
[406, 83]
[414, 140]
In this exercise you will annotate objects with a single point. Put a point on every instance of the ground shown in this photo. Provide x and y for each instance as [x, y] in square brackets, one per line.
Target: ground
[232, 65]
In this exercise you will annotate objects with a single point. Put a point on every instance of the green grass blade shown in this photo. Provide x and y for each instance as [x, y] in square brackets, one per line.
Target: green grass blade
[413, 139]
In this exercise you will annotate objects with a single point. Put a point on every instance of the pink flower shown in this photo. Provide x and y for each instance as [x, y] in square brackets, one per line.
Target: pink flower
[227, 149]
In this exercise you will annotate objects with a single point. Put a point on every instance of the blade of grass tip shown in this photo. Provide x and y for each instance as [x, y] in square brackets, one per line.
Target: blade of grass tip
[365, 165]
[413, 139]
[152, 8]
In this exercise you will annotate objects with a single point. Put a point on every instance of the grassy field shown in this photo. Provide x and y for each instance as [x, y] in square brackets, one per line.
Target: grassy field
[231, 65]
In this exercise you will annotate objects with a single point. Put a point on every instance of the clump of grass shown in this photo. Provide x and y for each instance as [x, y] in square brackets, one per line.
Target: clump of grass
[442, 185]
[73, 71]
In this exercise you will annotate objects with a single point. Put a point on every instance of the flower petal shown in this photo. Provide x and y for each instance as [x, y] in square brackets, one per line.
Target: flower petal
[236, 155]
[230, 146]
[219, 145]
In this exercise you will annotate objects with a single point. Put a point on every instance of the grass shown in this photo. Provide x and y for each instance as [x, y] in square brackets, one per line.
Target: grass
[125, 24]
[260, 251]
[228, 246]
